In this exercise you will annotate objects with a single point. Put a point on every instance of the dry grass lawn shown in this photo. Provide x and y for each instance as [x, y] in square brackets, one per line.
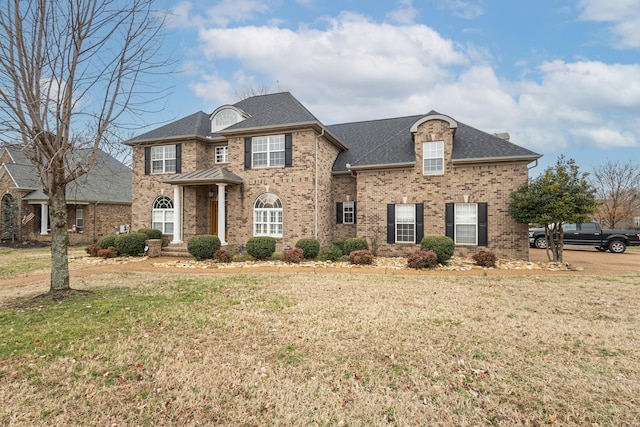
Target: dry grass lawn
[324, 350]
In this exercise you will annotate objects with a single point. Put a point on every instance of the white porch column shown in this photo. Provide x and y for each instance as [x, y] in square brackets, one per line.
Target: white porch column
[222, 230]
[44, 218]
[177, 214]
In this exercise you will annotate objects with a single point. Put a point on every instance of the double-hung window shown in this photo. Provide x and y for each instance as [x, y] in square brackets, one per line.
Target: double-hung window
[79, 217]
[267, 151]
[433, 158]
[406, 223]
[163, 159]
[222, 154]
[348, 212]
[466, 225]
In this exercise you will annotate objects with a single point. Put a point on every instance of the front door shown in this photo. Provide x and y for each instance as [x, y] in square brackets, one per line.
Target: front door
[213, 218]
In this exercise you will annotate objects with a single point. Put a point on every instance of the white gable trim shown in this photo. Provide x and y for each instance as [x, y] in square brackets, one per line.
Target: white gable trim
[452, 123]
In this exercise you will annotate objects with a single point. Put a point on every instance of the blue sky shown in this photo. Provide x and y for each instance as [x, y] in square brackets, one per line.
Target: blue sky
[562, 77]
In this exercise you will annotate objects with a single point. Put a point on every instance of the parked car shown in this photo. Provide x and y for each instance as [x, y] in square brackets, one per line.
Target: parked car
[589, 234]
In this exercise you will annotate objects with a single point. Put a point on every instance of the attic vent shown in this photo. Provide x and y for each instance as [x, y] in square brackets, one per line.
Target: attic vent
[503, 135]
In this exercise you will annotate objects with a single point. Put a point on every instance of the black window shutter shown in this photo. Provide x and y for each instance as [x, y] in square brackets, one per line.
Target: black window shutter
[483, 219]
[178, 158]
[449, 220]
[391, 223]
[147, 160]
[288, 150]
[419, 222]
[354, 212]
[247, 153]
[339, 213]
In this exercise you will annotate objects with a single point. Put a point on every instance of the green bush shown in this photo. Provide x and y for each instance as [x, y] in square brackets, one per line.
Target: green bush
[203, 246]
[106, 241]
[333, 253]
[130, 244]
[311, 247]
[422, 258]
[294, 255]
[151, 233]
[361, 257]
[443, 246]
[222, 255]
[340, 245]
[261, 247]
[485, 258]
[355, 244]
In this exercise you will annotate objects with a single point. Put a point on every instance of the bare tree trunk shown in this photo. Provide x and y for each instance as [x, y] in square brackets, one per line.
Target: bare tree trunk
[59, 239]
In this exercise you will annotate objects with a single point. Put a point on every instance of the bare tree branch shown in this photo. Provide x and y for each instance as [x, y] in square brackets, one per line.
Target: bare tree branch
[617, 185]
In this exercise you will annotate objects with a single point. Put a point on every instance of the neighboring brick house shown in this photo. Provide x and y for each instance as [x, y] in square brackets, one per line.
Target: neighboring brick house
[267, 166]
[98, 203]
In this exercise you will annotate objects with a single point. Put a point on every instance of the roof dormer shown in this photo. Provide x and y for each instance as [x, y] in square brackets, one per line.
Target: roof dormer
[226, 116]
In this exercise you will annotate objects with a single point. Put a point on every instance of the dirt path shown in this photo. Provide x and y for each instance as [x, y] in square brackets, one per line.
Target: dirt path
[588, 262]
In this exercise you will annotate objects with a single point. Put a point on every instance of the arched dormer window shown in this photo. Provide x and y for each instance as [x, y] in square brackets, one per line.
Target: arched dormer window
[267, 216]
[224, 117]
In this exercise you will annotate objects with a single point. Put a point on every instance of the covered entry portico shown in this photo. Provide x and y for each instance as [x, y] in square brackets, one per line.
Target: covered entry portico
[193, 192]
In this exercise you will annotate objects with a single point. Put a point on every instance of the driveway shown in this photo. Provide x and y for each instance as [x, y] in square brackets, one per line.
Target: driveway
[593, 262]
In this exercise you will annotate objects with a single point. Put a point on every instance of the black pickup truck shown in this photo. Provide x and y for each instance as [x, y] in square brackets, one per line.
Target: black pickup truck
[589, 234]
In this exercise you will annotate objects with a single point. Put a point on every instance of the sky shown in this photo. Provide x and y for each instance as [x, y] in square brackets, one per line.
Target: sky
[562, 77]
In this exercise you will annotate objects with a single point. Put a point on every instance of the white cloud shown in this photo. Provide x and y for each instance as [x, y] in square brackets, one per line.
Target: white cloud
[462, 9]
[621, 14]
[228, 11]
[358, 69]
[404, 14]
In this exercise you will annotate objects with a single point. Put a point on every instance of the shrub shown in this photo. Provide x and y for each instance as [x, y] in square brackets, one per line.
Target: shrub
[151, 233]
[92, 249]
[294, 255]
[310, 247]
[106, 241]
[333, 253]
[361, 257]
[110, 252]
[203, 246]
[485, 258]
[443, 246]
[340, 245]
[355, 244]
[130, 244]
[422, 258]
[222, 255]
[261, 247]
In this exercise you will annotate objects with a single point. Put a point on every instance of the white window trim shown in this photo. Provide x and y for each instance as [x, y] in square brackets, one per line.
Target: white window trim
[397, 217]
[230, 116]
[269, 224]
[458, 222]
[269, 140]
[163, 159]
[79, 216]
[433, 150]
[348, 207]
[222, 154]
[162, 205]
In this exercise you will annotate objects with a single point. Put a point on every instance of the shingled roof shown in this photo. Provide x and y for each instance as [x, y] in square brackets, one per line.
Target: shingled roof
[368, 143]
[109, 181]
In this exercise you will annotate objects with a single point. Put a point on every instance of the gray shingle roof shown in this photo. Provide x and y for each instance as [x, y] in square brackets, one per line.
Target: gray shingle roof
[109, 181]
[196, 124]
[369, 143]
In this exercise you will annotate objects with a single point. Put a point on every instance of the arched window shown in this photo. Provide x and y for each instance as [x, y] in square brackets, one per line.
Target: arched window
[162, 216]
[267, 216]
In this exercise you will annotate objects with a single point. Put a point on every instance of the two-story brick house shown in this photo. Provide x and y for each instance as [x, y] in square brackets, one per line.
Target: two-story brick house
[267, 166]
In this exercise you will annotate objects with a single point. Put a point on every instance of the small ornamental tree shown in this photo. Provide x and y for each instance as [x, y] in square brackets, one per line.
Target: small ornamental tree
[560, 195]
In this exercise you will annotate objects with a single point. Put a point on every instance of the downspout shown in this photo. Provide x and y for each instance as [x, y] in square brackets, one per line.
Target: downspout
[534, 165]
[95, 216]
[315, 211]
